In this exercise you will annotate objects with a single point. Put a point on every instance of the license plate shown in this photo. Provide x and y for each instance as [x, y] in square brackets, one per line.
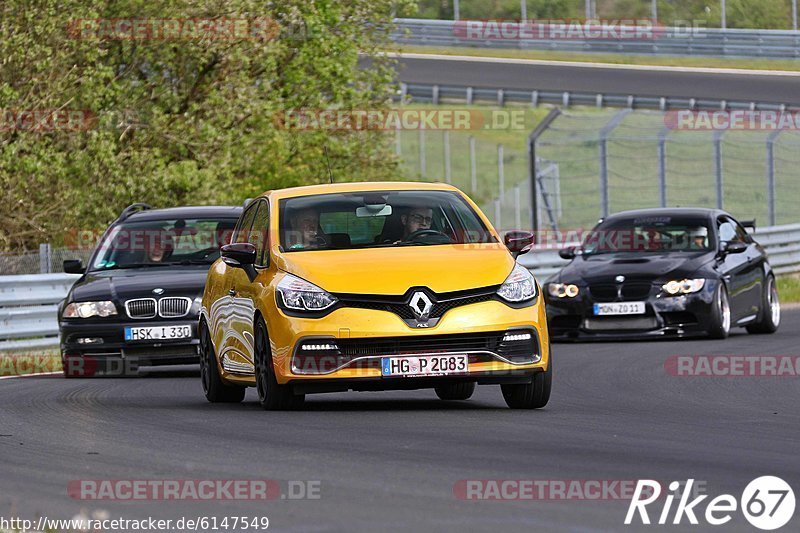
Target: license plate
[428, 365]
[158, 333]
[619, 308]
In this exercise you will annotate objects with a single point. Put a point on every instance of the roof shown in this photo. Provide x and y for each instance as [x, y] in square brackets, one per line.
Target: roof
[329, 188]
[195, 211]
[669, 211]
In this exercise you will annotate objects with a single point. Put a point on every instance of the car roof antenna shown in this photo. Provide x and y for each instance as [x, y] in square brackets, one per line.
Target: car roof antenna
[328, 162]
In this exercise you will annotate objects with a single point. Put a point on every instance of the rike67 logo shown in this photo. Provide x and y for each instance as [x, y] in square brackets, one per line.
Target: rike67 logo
[767, 503]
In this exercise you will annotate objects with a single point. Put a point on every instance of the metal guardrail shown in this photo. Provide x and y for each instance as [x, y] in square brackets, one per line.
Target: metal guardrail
[28, 303]
[28, 306]
[782, 244]
[670, 41]
[437, 94]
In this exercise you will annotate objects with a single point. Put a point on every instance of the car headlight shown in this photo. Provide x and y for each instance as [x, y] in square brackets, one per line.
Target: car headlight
[299, 295]
[519, 286]
[89, 309]
[563, 290]
[684, 286]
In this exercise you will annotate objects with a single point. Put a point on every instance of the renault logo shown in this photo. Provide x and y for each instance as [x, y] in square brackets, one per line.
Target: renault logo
[620, 279]
[421, 305]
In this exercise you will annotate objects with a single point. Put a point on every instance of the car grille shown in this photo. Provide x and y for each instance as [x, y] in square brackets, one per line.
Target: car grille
[172, 307]
[491, 342]
[629, 291]
[400, 305]
[620, 324]
[141, 308]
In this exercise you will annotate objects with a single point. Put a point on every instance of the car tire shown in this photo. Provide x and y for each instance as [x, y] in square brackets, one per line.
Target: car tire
[455, 391]
[271, 395]
[770, 310]
[216, 390]
[533, 395]
[720, 314]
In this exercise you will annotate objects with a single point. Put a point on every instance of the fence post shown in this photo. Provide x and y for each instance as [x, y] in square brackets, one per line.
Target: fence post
[498, 215]
[603, 143]
[501, 175]
[473, 166]
[662, 167]
[45, 258]
[533, 167]
[718, 168]
[423, 170]
[517, 208]
[771, 138]
[456, 10]
[398, 142]
[446, 140]
[523, 10]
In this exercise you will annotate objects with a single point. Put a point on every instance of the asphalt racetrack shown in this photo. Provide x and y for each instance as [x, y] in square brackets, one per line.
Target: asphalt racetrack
[390, 461]
[714, 84]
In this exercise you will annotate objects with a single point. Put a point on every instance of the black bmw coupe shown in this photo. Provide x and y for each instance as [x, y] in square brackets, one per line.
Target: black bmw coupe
[663, 273]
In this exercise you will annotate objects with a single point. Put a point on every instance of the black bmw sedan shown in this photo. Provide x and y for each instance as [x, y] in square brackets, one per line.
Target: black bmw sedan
[663, 273]
[137, 302]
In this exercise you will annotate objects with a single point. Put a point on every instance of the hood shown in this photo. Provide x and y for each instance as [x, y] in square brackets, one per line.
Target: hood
[125, 284]
[392, 271]
[605, 267]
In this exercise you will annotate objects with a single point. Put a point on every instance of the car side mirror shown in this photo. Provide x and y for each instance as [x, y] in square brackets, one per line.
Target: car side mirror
[517, 241]
[734, 247]
[239, 254]
[73, 266]
[567, 253]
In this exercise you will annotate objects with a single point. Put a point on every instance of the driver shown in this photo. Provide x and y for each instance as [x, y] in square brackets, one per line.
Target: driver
[305, 225]
[417, 219]
[698, 238]
[156, 249]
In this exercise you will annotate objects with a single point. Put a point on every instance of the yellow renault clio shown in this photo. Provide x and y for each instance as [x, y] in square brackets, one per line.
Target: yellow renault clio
[371, 286]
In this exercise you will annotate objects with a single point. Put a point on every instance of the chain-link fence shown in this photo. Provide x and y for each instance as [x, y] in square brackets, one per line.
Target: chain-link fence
[47, 260]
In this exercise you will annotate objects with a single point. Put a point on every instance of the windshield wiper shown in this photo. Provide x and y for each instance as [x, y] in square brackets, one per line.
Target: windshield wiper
[131, 265]
[191, 262]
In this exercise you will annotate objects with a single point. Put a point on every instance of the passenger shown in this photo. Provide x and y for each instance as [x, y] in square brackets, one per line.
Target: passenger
[306, 233]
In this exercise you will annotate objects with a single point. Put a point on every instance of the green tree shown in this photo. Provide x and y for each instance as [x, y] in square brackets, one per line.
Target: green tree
[182, 120]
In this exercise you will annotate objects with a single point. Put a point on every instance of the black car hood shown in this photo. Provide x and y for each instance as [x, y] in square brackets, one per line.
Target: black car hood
[606, 267]
[125, 284]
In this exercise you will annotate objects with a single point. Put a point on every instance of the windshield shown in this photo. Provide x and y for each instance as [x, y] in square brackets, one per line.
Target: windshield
[651, 234]
[154, 243]
[379, 219]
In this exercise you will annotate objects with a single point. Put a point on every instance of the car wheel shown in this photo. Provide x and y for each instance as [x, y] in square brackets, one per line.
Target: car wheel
[455, 391]
[720, 314]
[533, 395]
[216, 390]
[271, 396]
[770, 310]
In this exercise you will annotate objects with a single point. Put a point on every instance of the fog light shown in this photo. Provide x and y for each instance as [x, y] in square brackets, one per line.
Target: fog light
[90, 340]
[511, 337]
[318, 347]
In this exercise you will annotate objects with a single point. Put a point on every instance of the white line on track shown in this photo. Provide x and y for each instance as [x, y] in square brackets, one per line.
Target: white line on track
[584, 64]
[31, 375]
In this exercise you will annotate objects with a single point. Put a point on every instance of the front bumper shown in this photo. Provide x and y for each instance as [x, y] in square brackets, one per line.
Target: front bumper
[366, 335]
[136, 353]
[665, 317]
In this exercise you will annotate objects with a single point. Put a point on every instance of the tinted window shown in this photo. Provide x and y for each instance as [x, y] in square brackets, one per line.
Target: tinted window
[163, 242]
[258, 233]
[378, 219]
[657, 234]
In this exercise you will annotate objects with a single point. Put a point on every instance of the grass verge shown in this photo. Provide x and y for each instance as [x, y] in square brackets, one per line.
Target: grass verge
[616, 59]
[789, 288]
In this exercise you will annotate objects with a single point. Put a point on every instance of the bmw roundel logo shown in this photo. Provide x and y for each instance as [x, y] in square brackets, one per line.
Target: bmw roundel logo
[158, 290]
[620, 279]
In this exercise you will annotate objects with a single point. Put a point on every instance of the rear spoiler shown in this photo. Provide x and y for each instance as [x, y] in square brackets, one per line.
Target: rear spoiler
[749, 224]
